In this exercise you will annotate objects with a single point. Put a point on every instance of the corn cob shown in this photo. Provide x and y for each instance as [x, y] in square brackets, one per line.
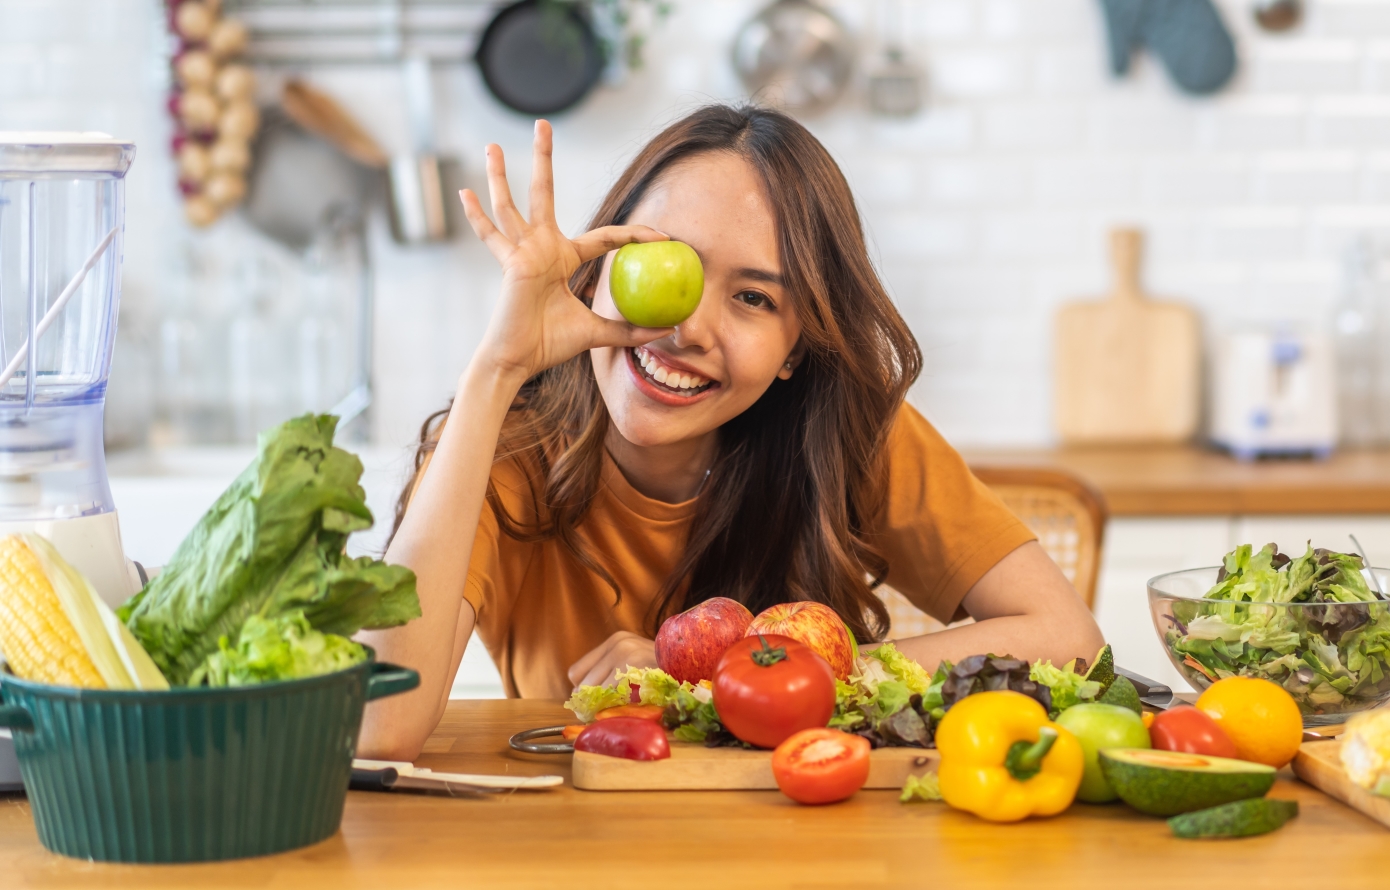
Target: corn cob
[36, 636]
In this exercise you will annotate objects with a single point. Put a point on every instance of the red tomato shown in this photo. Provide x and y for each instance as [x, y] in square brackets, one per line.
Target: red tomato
[766, 691]
[1190, 731]
[821, 765]
[642, 712]
[632, 738]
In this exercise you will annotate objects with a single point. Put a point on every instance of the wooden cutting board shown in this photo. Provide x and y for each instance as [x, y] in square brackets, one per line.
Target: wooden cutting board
[1127, 367]
[697, 768]
[1320, 765]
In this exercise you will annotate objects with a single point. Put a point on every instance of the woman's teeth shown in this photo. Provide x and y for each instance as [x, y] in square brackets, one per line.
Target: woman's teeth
[667, 376]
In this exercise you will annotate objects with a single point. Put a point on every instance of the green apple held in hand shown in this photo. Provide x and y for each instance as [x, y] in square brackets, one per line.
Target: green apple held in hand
[656, 284]
[1097, 727]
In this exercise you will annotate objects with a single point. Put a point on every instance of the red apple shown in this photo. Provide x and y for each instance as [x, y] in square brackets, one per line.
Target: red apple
[814, 624]
[689, 645]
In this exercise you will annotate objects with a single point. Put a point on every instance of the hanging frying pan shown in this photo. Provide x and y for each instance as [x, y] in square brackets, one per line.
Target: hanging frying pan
[540, 56]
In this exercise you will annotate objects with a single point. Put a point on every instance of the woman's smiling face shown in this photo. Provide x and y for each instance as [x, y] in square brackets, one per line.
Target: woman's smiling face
[725, 356]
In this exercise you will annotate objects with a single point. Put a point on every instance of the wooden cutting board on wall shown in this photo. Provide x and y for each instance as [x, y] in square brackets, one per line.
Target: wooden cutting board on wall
[1127, 368]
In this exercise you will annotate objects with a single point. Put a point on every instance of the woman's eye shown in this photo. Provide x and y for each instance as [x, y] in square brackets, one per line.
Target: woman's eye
[754, 299]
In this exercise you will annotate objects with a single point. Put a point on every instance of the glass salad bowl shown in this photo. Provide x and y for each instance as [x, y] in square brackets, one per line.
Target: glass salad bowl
[1333, 657]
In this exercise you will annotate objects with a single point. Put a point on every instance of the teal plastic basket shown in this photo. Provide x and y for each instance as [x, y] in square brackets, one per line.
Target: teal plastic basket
[192, 774]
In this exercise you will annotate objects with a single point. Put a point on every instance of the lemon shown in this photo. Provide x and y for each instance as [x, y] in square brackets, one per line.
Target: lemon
[1259, 716]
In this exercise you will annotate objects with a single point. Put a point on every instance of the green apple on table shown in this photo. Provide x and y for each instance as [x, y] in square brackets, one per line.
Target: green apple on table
[1097, 727]
[656, 284]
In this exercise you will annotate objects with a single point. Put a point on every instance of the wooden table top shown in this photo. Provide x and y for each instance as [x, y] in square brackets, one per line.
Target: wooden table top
[1182, 480]
[566, 838]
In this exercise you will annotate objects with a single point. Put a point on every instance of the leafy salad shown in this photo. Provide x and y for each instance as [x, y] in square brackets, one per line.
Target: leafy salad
[262, 588]
[1331, 654]
[889, 699]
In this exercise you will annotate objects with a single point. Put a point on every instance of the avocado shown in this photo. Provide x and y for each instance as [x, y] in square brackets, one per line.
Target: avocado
[1122, 693]
[1103, 670]
[1242, 818]
[1166, 783]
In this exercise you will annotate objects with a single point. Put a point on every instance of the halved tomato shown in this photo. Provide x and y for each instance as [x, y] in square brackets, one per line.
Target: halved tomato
[821, 765]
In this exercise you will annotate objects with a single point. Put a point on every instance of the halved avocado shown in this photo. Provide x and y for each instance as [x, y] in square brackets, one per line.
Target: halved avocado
[1166, 783]
[1103, 670]
[1122, 693]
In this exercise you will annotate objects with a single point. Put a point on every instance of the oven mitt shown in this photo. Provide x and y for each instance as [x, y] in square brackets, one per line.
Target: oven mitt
[1187, 35]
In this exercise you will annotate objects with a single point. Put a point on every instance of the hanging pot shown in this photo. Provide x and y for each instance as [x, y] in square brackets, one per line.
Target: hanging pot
[540, 57]
[795, 54]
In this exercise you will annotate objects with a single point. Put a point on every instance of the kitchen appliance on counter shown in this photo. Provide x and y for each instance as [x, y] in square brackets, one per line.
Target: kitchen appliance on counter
[62, 220]
[1274, 393]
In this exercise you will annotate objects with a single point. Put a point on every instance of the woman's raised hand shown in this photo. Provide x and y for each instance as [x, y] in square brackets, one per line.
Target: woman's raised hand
[538, 322]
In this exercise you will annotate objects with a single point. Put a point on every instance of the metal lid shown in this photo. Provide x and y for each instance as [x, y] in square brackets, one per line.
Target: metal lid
[27, 153]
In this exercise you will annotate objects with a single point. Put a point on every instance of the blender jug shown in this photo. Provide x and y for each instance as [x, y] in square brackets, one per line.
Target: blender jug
[62, 219]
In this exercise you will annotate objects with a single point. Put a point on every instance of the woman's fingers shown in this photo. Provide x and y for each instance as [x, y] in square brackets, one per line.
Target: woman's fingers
[542, 175]
[621, 650]
[599, 241]
[610, 332]
[487, 233]
[503, 208]
[580, 669]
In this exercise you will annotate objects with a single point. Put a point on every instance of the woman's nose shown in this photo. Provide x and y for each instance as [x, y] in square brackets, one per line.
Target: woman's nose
[697, 331]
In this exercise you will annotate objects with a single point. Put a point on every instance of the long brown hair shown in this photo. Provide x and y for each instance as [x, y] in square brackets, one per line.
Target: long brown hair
[789, 508]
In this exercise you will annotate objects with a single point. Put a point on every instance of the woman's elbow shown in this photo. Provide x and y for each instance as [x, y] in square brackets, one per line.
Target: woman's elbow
[396, 747]
[1085, 638]
[398, 736]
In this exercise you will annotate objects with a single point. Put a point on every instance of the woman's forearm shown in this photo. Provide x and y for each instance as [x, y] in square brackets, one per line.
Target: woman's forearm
[435, 540]
[1021, 636]
[1024, 607]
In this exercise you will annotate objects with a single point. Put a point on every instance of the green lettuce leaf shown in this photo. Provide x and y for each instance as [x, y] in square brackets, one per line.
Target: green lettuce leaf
[272, 545]
[692, 711]
[587, 701]
[283, 648]
[903, 669]
[1068, 688]
[654, 686]
[926, 787]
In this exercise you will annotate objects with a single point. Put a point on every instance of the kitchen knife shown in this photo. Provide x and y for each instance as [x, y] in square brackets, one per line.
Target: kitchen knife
[386, 775]
[372, 779]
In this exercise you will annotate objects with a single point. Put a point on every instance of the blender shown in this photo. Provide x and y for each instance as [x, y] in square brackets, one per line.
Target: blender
[62, 219]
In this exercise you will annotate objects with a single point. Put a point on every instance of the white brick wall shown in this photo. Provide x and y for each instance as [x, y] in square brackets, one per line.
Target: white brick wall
[986, 211]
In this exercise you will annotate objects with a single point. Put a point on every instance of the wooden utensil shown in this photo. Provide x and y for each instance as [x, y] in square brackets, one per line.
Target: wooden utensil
[1320, 765]
[321, 115]
[697, 768]
[1127, 367]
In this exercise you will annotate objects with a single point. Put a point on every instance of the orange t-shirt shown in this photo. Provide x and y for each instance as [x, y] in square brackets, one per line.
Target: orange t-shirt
[539, 610]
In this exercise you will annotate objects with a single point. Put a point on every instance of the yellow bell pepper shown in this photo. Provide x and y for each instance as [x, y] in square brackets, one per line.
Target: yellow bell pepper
[1003, 760]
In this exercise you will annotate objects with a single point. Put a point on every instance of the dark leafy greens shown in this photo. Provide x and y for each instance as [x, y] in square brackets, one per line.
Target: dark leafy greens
[269, 558]
[1311, 623]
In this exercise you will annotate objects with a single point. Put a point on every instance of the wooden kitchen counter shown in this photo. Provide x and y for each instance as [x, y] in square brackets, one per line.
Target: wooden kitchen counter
[559, 839]
[1187, 481]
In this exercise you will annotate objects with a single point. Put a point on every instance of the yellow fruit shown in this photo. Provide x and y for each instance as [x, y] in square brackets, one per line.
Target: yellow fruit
[1259, 716]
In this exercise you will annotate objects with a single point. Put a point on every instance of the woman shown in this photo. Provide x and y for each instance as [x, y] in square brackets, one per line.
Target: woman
[592, 477]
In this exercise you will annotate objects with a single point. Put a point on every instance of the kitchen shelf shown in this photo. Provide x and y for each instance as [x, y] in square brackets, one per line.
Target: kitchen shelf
[1190, 481]
[296, 33]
